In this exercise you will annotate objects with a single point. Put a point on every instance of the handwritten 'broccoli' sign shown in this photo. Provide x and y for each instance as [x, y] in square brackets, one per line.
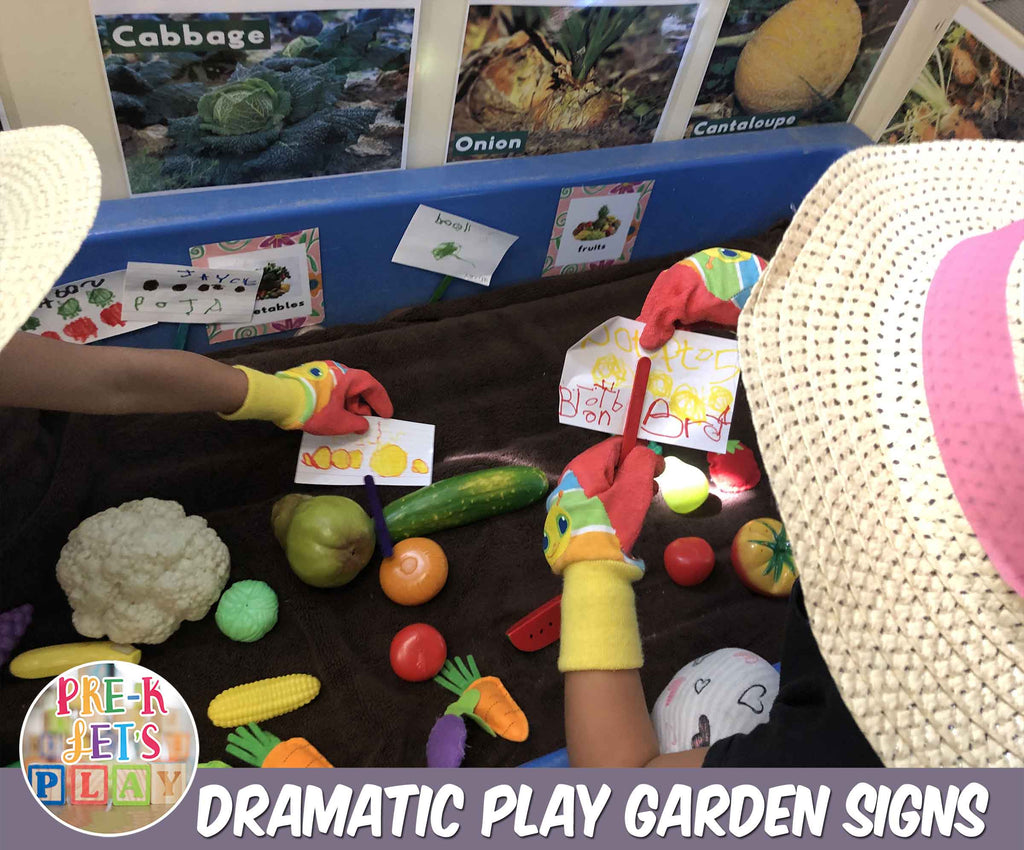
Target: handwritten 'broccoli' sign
[167, 293]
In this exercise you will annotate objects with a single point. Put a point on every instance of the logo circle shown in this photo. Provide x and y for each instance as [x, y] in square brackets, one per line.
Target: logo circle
[109, 748]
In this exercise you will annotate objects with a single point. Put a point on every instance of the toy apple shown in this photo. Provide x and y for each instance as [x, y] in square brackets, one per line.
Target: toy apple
[684, 487]
[689, 560]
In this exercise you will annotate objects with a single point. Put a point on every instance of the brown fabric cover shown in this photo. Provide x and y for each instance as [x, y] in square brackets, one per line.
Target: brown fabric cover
[485, 371]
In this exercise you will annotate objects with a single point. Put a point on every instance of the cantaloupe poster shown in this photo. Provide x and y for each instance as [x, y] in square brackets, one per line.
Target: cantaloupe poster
[393, 451]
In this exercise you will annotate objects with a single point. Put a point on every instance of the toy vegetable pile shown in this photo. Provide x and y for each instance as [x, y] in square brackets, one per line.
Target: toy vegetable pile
[484, 700]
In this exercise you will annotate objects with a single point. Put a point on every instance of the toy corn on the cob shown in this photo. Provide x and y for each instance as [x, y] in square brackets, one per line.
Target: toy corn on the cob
[261, 749]
[484, 699]
[261, 700]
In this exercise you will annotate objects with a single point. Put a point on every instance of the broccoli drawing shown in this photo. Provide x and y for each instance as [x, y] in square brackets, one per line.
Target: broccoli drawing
[450, 249]
[31, 324]
[101, 297]
[69, 309]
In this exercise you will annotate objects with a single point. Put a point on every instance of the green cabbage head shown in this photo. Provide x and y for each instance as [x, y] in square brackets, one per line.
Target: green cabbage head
[245, 106]
[301, 46]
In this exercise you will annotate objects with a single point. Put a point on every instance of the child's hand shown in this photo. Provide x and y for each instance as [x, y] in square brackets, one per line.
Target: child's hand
[709, 286]
[322, 397]
[596, 511]
[594, 516]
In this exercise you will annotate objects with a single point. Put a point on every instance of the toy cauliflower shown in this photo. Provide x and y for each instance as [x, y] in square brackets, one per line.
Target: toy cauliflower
[135, 572]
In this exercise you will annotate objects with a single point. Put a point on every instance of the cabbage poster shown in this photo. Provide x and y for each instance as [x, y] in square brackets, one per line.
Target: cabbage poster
[781, 63]
[576, 76]
[215, 94]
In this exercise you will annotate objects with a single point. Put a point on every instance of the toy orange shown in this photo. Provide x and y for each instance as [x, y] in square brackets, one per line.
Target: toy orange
[415, 572]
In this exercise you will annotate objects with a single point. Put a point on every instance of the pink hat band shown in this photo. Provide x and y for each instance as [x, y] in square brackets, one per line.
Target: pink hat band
[974, 392]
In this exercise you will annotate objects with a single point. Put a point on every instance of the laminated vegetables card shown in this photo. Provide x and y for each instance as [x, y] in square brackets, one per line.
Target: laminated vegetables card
[538, 79]
[779, 63]
[290, 291]
[215, 94]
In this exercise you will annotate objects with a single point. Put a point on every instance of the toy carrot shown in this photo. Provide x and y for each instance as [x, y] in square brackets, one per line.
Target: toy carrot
[261, 749]
[485, 700]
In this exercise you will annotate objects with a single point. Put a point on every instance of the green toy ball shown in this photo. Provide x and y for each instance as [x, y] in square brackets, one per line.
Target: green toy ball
[247, 610]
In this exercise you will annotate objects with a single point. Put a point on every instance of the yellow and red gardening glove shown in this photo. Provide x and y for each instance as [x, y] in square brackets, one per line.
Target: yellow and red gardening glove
[709, 286]
[322, 397]
[594, 516]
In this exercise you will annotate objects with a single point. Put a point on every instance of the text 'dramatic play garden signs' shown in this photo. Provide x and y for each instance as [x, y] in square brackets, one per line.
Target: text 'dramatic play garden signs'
[167, 293]
[83, 310]
[691, 391]
[392, 451]
[450, 244]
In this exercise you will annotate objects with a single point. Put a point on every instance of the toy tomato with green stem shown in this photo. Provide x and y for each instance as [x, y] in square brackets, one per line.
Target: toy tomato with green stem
[762, 557]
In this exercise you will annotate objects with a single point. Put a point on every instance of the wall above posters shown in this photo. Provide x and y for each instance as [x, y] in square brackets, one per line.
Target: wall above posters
[575, 76]
[779, 63]
[219, 98]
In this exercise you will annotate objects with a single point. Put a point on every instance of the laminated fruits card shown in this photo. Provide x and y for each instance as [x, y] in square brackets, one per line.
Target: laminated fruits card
[216, 94]
[596, 226]
[781, 63]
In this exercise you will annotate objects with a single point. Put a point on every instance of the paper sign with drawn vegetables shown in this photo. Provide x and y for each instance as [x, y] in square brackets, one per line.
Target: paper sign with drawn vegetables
[691, 392]
[83, 310]
[780, 63]
[393, 451]
[164, 292]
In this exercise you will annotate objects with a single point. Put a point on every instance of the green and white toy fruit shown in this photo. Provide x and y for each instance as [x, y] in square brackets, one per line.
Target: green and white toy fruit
[328, 539]
[247, 610]
[684, 487]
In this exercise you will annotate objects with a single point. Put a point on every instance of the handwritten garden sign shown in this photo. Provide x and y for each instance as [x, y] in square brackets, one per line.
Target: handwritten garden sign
[690, 395]
[159, 292]
[392, 450]
[452, 245]
[83, 310]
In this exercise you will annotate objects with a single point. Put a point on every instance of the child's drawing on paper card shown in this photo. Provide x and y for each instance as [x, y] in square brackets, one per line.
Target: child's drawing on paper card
[392, 450]
[690, 393]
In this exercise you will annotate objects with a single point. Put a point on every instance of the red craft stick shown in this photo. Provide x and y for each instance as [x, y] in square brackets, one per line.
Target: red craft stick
[636, 404]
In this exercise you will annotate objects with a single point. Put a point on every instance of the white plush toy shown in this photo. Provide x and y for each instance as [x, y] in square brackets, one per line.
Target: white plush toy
[723, 693]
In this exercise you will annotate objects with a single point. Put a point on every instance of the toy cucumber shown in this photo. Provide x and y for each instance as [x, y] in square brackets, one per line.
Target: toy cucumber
[464, 499]
[48, 661]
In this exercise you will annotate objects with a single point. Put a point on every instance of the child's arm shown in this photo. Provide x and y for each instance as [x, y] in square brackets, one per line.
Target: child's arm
[52, 375]
[322, 397]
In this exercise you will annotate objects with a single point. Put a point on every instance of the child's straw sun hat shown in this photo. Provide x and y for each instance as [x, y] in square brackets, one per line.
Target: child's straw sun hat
[49, 194]
[883, 355]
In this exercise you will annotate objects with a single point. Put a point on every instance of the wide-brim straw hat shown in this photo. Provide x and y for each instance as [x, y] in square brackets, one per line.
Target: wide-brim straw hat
[885, 373]
[49, 194]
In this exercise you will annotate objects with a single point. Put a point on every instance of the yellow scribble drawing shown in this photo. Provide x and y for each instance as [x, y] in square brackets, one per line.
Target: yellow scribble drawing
[355, 459]
[687, 404]
[340, 459]
[719, 400]
[660, 385]
[420, 466]
[319, 459]
[610, 369]
[389, 461]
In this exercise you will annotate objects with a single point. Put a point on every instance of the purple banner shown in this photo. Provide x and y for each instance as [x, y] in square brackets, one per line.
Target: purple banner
[506, 808]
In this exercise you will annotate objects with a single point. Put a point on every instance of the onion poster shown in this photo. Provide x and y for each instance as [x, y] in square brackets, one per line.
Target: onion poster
[219, 95]
[576, 76]
[781, 63]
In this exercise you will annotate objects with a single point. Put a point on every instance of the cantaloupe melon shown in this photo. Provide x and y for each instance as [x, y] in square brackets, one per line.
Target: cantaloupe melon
[799, 56]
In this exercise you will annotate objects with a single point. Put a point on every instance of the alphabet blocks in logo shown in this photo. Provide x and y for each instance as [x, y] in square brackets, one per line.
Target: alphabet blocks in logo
[48, 783]
[51, 746]
[88, 785]
[177, 744]
[169, 780]
[132, 785]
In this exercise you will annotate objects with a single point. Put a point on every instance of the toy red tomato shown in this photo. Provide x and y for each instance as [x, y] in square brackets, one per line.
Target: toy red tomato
[689, 560]
[762, 557]
[418, 653]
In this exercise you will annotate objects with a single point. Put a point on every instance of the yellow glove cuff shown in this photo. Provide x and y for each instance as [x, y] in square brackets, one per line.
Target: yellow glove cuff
[282, 401]
[599, 625]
